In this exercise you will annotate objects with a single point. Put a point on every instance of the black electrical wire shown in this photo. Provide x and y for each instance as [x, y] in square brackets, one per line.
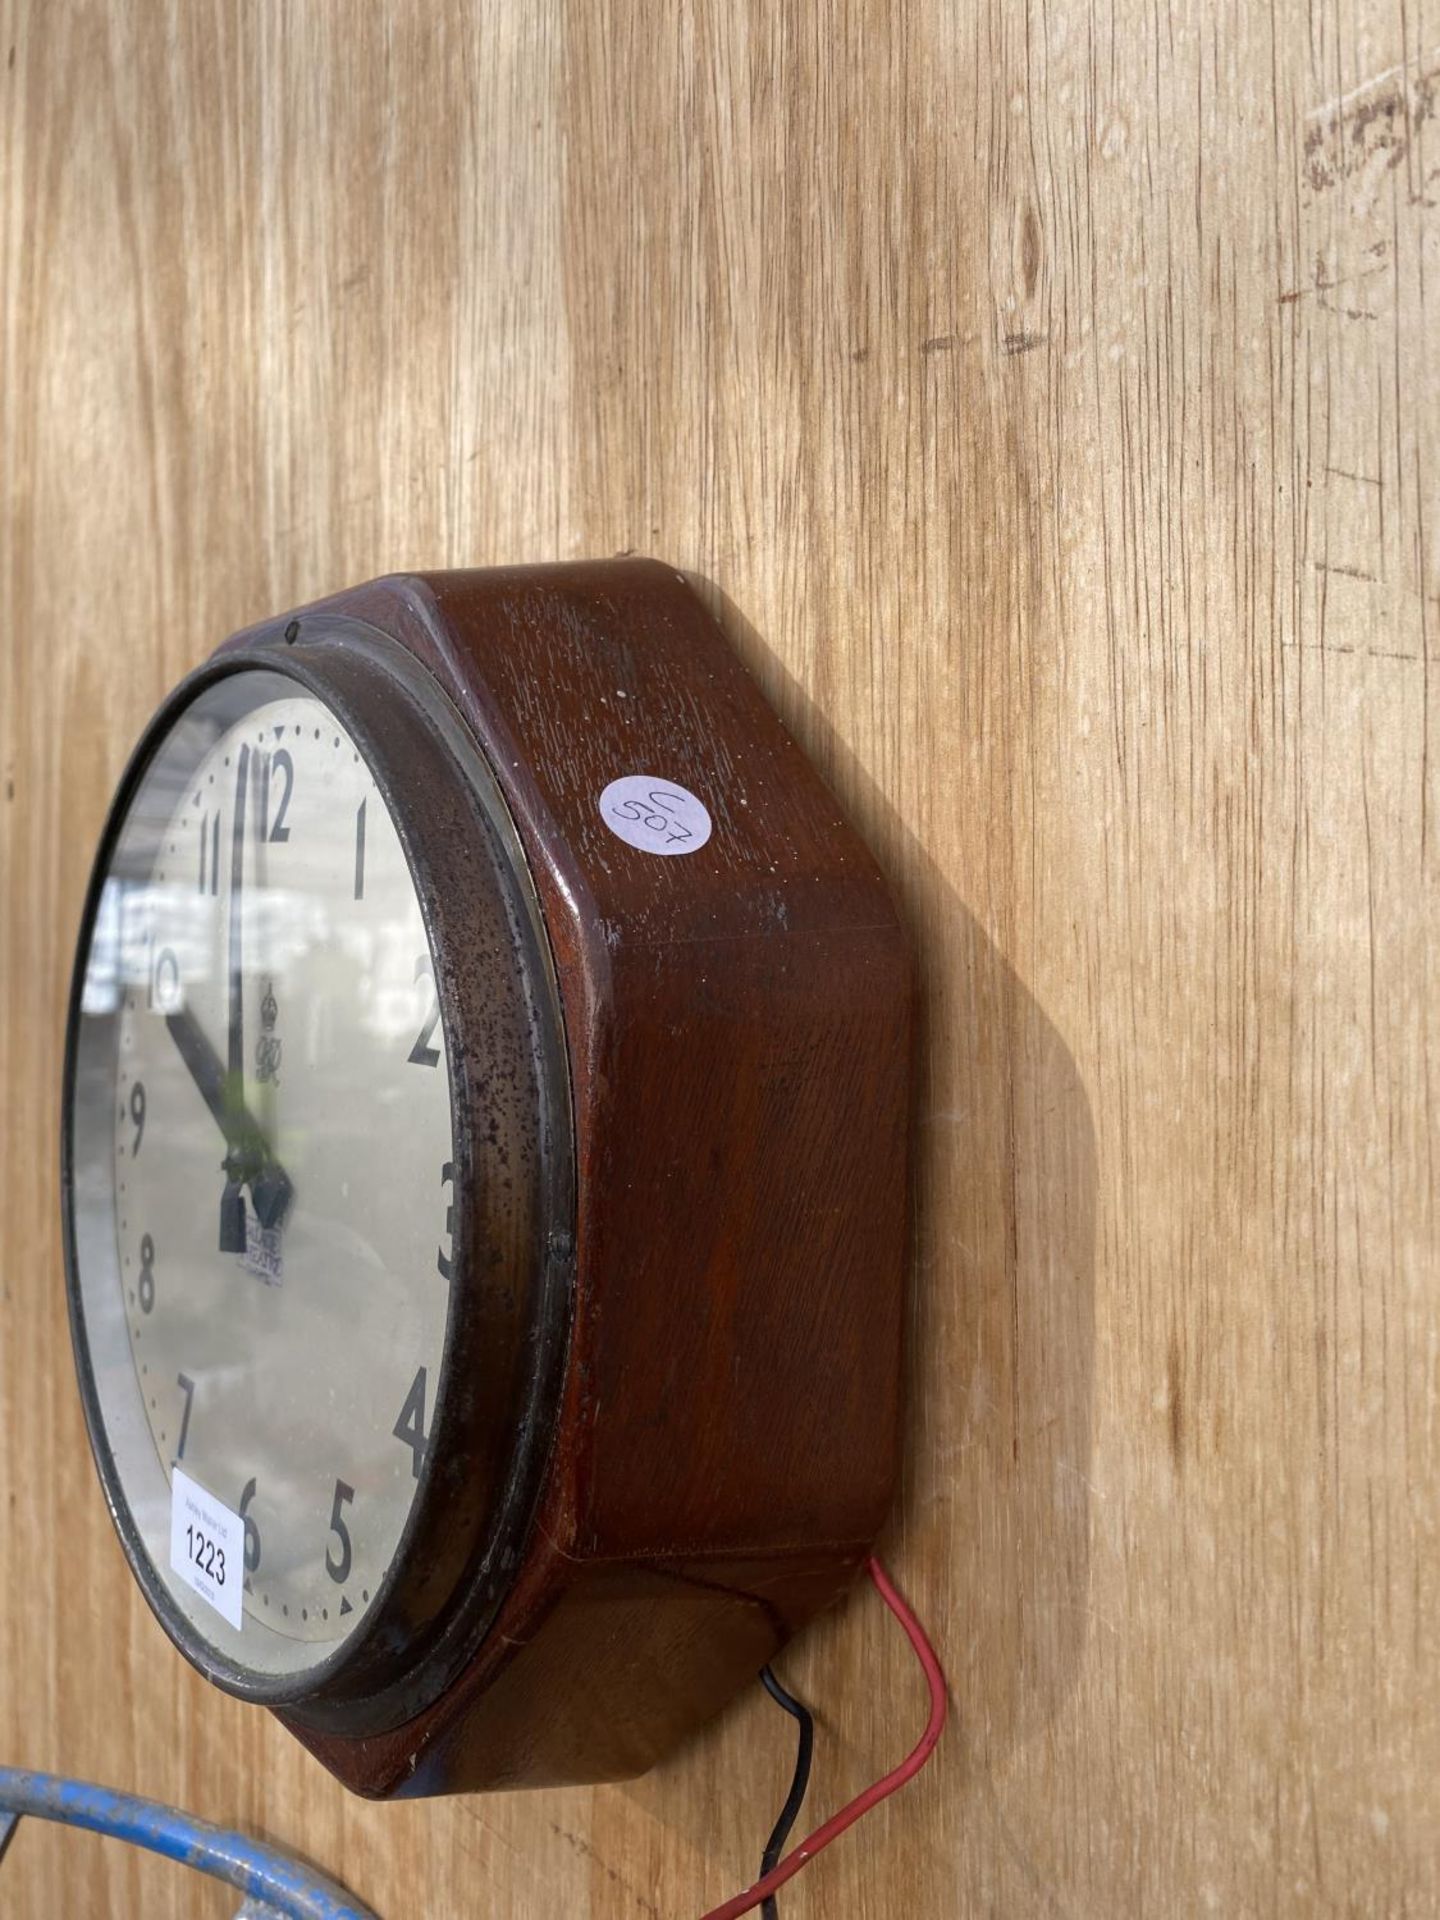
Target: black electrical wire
[794, 1800]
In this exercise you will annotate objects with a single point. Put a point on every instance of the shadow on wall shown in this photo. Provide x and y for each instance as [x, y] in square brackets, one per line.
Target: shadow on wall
[991, 1528]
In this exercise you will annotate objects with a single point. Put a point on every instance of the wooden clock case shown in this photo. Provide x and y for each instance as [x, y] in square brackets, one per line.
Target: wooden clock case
[721, 1443]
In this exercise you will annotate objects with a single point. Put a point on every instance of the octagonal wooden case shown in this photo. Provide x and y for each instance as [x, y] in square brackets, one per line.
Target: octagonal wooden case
[720, 1445]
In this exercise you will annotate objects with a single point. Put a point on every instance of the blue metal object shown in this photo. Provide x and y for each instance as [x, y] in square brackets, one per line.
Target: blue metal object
[268, 1878]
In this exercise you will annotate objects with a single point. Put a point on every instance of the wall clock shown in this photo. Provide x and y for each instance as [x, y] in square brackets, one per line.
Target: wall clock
[484, 1172]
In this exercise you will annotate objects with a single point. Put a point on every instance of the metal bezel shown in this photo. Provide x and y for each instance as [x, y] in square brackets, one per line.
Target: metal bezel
[467, 1529]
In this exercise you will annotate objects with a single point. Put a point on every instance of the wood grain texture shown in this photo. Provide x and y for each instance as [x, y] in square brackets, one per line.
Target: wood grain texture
[1049, 393]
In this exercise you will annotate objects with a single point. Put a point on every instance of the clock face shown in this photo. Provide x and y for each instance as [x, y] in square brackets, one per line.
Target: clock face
[260, 1029]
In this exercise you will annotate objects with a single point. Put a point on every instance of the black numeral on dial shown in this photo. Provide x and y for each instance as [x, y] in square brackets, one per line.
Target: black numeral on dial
[444, 1260]
[410, 1427]
[187, 1387]
[147, 1274]
[137, 1114]
[339, 1569]
[252, 1532]
[422, 1054]
[282, 764]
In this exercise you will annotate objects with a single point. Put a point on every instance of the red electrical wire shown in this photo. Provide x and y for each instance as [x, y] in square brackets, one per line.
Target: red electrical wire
[802, 1855]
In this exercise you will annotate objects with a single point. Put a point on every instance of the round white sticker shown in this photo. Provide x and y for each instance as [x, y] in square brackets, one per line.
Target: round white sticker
[657, 816]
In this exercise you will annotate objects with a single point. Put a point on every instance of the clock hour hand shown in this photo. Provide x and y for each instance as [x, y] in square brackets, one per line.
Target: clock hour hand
[249, 1159]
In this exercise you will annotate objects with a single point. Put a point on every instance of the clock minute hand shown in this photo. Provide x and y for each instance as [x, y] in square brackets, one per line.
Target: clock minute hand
[250, 1158]
[232, 1200]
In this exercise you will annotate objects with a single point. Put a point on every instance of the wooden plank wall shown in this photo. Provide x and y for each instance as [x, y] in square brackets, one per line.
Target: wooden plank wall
[1047, 390]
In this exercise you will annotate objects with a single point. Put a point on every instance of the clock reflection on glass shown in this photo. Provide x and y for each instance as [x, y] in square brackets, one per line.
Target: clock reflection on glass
[283, 1159]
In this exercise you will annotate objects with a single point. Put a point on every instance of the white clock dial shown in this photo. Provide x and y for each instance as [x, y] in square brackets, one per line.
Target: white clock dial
[282, 1163]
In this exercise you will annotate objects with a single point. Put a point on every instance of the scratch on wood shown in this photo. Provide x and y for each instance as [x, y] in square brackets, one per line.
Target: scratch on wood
[1344, 100]
[1377, 120]
[1322, 286]
[579, 1844]
[1339, 646]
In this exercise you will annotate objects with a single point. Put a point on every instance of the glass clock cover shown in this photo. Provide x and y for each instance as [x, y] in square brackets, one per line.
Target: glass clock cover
[263, 1165]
